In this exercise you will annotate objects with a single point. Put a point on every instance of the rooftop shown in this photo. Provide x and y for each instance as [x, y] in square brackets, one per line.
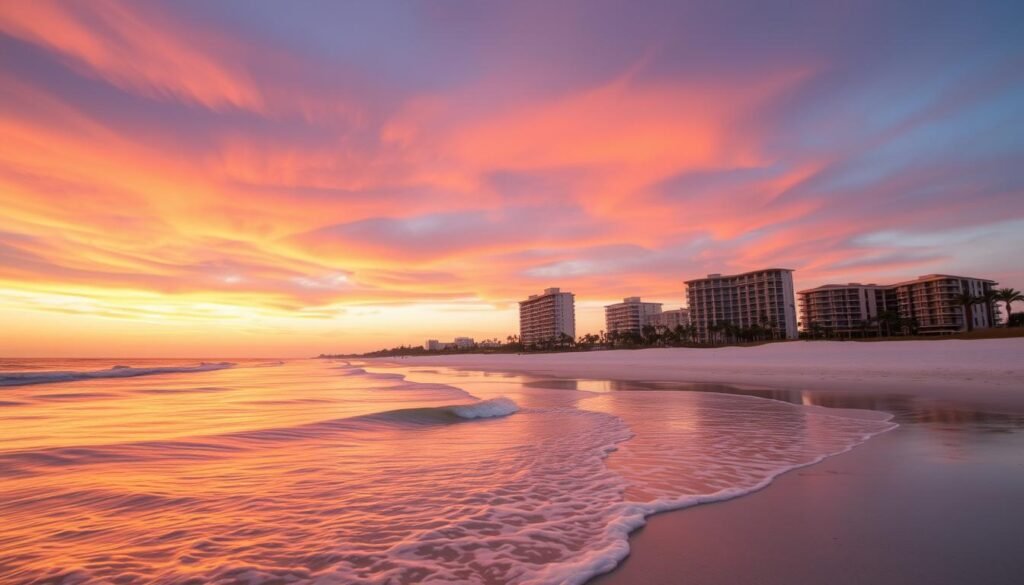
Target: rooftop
[925, 278]
[724, 276]
[547, 292]
[928, 277]
[842, 286]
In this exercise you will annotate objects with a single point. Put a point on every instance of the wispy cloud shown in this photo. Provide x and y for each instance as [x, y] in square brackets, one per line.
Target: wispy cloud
[218, 162]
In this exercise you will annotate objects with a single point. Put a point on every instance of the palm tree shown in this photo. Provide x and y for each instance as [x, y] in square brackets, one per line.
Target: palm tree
[611, 337]
[650, 335]
[815, 329]
[1008, 296]
[564, 340]
[988, 298]
[910, 325]
[587, 340]
[864, 324]
[890, 320]
[634, 338]
[966, 300]
[713, 330]
[675, 335]
[731, 331]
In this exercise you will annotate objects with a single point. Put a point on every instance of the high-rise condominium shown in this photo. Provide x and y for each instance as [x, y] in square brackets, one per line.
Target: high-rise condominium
[929, 302]
[547, 317]
[761, 297]
[629, 316]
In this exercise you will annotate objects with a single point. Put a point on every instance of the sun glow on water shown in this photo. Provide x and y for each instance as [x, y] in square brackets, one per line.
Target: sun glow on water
[319, 470]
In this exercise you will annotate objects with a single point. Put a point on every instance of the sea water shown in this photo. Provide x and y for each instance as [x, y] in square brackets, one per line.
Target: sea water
[317, 471]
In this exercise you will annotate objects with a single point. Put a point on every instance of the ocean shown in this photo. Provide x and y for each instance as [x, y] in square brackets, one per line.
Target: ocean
[330, 471]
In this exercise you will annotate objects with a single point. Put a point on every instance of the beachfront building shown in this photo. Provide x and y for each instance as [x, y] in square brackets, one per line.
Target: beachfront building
[843, 310]
[931, 301]
[761, 297]
[629, 316]
[670, 320]
[547, 317]
[927, 304]
[457, 343]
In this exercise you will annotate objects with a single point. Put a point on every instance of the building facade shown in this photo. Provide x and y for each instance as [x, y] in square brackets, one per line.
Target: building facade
[544, 318]
[464, 342]
[930, 301]
[457, 343]
[669, 320]
[844, 309]
[761, 297]
[629, 316]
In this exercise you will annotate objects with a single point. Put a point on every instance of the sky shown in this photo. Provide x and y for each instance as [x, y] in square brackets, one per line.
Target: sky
[242, 178]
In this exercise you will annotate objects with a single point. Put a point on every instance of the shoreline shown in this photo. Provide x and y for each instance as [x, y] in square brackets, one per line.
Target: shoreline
[943, 486]
[891, 510]
[983, 372]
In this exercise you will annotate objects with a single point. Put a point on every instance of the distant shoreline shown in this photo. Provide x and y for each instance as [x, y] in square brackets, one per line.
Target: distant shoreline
[981, 334]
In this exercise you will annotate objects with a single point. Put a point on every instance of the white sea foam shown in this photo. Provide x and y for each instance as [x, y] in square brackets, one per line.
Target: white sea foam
[486, 408]
[688, 449]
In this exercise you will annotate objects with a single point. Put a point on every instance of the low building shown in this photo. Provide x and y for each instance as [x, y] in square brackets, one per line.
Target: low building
[629, 316]
[838, 310]
[762, 297]
[547, 317]
[457, 343]
[670, 320]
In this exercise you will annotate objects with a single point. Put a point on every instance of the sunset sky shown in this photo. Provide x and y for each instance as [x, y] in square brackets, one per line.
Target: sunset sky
[199, 178]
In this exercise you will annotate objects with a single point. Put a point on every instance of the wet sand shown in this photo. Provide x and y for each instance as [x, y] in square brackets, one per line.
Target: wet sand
[939, 500]
[928, 503]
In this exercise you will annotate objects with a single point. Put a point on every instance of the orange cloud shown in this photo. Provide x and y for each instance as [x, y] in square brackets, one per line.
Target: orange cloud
[136, 48]
[167, 174]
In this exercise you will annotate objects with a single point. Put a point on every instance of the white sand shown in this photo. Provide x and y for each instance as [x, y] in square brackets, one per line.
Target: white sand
[982, 371]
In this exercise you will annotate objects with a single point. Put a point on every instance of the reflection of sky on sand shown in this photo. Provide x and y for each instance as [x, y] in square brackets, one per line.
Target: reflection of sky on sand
[940, 428]
[686, 445]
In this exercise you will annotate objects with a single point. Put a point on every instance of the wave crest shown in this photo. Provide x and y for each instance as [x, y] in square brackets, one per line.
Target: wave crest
[486, 408]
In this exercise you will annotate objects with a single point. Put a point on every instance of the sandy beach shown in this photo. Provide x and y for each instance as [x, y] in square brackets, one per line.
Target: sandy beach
[989, 371]
[936, 500]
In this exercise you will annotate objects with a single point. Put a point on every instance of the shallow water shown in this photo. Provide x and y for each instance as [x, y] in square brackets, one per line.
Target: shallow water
[319, 471]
